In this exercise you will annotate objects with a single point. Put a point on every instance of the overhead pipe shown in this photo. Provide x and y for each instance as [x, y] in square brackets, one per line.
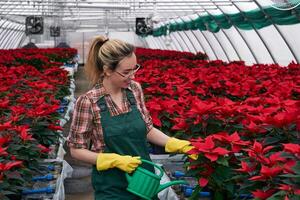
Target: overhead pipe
[104, 6]
[95, 4]
[103, 9]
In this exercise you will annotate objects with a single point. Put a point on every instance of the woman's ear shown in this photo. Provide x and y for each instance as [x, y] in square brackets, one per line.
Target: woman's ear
[107, 71]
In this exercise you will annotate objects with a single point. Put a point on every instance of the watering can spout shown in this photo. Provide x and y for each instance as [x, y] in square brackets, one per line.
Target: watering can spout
[164, 186]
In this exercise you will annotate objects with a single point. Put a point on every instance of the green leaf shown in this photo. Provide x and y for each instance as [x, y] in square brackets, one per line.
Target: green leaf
[193, 173]
[237, 177]
[290, 175]
[195, 194]
[296, 168]
[223, 161]
[277, 196]
[6, 192]
[238, 126]
[287, 181]
[271, 140]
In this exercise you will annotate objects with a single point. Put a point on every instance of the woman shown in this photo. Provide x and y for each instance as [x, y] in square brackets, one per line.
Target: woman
[113, 117]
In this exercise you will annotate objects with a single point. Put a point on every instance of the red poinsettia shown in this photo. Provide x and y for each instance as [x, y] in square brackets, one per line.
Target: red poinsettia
[24, 132]
[246, 110]
[267, 173]
[261, 194]
[5, 126]
[207, 147]
[7, 166]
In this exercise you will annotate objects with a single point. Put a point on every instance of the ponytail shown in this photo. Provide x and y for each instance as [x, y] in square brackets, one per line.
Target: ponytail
[94, 65]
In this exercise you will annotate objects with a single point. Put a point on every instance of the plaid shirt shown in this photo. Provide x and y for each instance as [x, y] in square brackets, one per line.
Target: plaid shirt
[86, 121]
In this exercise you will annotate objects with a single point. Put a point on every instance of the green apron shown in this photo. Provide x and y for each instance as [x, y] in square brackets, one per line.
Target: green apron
[124, 134]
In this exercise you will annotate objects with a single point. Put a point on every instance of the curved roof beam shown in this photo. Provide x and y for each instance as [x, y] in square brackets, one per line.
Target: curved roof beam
[278, 30]
[258, 34]
[225, 34]
[241, 35]
[192, 44]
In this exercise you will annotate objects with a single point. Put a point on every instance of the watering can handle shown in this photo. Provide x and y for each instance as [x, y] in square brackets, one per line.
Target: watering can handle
[128, 177]
[155, 165]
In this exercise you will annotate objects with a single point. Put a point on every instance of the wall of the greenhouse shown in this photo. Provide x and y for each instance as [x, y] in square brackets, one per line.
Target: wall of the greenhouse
[271, 44]
[81, 40]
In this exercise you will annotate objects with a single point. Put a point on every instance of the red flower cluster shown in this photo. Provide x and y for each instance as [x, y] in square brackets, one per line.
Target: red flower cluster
[31, 85]
[243, 120]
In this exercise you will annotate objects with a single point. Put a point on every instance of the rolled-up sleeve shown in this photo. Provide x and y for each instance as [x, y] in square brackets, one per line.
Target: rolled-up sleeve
[145, 113]
[81, 126]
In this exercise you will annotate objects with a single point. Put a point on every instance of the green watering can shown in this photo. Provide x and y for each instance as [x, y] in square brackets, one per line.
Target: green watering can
[146, 184]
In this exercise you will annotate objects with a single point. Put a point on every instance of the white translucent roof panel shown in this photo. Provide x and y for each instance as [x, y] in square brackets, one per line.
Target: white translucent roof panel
[195, 41]
[277, 46]
[256, 44]
[247, 6]
[218, 51]
[291, 34]
[208, 49]
[175, 42]
[227, 46]
[240, 45]
[121, 14]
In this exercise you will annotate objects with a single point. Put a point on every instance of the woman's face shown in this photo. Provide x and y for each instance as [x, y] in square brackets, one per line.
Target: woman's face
[125, 71]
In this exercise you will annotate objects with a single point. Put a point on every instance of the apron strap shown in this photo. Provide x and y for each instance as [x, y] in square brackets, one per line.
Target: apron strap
[102, 104]
[103, 108]
[130, 97]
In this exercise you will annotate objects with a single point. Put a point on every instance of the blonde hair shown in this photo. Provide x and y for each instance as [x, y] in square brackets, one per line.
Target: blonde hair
[108, 52]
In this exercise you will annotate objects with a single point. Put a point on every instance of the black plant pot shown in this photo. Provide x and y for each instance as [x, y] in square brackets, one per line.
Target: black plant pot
[14, 196]
[157, 149]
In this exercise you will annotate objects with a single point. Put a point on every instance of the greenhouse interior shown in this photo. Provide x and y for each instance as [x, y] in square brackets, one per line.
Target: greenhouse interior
[149, 99]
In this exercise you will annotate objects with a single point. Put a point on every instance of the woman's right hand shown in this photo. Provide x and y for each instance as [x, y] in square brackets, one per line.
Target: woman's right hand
[110, 160]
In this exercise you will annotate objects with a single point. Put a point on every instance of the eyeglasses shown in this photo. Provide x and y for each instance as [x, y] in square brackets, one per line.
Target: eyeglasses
[132, 72]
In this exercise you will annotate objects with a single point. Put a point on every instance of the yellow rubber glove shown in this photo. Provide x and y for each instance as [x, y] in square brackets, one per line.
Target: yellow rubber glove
[181, 146]
[110, 160]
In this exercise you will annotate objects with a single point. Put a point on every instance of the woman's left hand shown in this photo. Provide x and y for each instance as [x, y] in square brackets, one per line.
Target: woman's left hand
[181, 146]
